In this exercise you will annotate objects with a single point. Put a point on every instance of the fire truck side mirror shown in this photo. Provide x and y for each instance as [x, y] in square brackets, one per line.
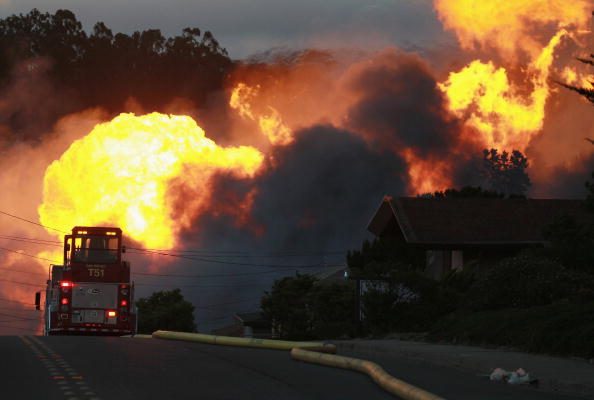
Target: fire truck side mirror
[37, 300]
[123, 249]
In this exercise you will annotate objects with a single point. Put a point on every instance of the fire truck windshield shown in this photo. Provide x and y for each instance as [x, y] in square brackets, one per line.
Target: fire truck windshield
[95, 249]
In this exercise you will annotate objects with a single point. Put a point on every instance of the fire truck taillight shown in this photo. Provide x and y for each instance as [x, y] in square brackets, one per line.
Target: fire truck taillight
[64, 300]
[65, 285]
[124, 302]
[111, 313]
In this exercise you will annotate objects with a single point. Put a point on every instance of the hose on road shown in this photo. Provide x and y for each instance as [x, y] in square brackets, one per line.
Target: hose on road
[315, 353]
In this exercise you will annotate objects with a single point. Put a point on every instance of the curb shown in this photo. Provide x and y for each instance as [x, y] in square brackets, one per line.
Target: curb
[382, 378]
[312, 352]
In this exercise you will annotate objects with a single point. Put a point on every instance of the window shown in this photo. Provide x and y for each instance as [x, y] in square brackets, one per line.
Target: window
[96, 249]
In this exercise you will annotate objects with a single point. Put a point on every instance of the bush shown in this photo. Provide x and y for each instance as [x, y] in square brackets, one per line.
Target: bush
[527, 280]
[286, 306]
[165, 310]
[408, 301]
[333, 309]
[563, 328]
[301, 307]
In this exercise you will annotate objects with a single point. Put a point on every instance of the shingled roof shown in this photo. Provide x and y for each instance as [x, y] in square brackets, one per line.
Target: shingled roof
[470, 221]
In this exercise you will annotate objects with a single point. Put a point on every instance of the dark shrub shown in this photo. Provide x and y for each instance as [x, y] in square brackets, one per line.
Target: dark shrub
[407, 301]
[527, 280]
[333, 309]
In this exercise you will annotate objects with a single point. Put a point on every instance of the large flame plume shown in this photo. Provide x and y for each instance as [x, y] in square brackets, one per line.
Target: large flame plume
[120, 174]
[525, 35]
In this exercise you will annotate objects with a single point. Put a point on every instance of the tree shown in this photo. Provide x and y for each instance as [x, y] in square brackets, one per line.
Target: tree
[588, 93]
[302, 307]
[464, 192]
[286, 306]
[505, 173]
[166, 310]
[105, 69]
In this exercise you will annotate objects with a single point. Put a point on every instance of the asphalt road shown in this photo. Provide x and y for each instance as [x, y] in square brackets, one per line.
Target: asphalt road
[93, 368]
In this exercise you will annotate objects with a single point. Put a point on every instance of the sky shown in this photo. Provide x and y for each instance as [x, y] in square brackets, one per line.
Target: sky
[248, 27]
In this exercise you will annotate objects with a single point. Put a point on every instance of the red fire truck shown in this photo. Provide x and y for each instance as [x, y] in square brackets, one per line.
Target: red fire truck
[91, 293]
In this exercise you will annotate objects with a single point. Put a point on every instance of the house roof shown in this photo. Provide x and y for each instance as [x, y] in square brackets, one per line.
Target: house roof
[249, 317]
[253, 319]
[332, 274]
[469, 221]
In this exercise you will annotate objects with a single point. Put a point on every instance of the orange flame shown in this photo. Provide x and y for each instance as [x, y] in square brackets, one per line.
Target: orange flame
[506, 113]
[507, 117]
[426, 176]
[119, 174]
[510, 27]
[271, 124]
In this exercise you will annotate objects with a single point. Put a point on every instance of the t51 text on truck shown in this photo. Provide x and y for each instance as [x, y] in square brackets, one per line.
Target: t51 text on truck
[91, 293]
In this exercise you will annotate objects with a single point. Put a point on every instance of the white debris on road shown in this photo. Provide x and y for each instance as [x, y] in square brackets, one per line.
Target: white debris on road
[519, 376]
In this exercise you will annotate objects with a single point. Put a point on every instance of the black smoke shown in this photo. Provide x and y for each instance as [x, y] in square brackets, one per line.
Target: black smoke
[401, 106]
[317, 194]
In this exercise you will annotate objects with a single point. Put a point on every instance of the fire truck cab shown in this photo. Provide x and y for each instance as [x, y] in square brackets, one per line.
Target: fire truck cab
[91, 293]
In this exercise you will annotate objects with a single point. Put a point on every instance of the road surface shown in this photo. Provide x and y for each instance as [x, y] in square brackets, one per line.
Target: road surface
[106, 368]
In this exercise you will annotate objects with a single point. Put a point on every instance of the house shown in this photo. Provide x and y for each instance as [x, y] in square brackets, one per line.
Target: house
[250, 325]
[456, 232]
[332, 274]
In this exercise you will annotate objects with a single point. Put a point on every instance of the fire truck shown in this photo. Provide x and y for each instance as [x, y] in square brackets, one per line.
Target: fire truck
[91, 293]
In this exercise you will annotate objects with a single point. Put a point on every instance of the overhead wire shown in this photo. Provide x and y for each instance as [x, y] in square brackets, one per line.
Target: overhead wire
[22, 272]
[245, 254]
[228, 303]
[32, 222]
[153, 252]
[20, 328]
[150, 252]
[32, 240]
[28, 255]
[226, 262]
[16, 301]
[21, 283]
[20, 318]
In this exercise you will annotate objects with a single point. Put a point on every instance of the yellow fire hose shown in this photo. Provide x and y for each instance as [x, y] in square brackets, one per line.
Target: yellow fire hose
[315, 353]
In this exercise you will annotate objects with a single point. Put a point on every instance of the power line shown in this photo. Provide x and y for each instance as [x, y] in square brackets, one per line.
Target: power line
[32, 222]
[225, 304]
[16, 301]
[30, 241]
[197, 286]
[18, 317]
[21, 283]
[214, 275]
[20, 328]
[22, 272]
[225, 262]
[28, 255]
[245, 254]
[19, 309]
